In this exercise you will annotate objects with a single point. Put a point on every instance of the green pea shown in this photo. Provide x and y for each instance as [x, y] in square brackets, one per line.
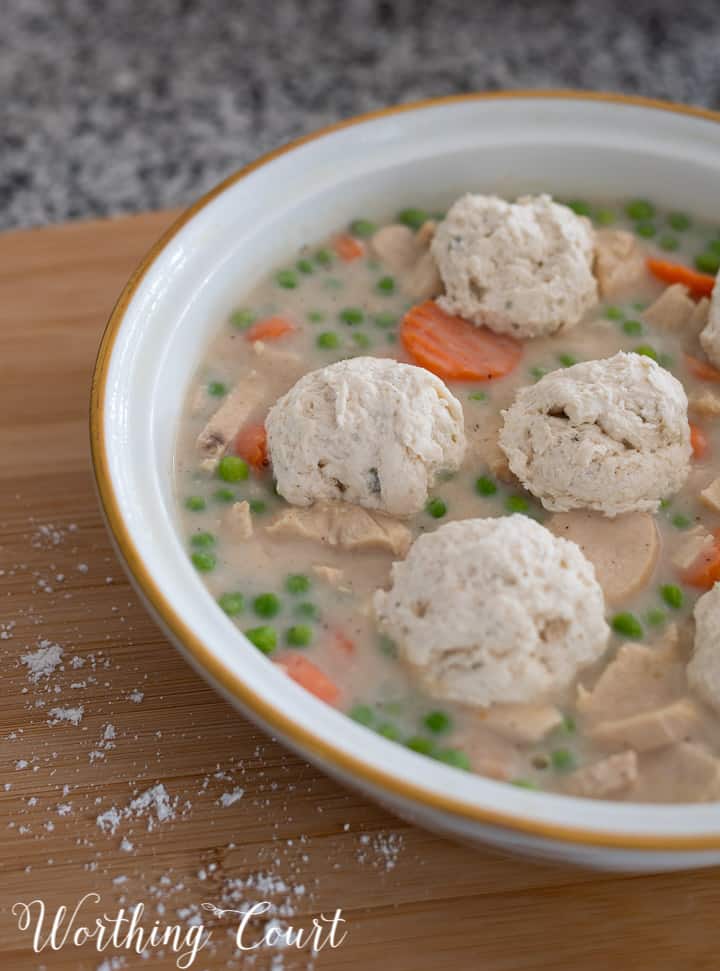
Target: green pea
[714, 246]
[257, 506]
[202, 541]
[390, 731]
[323, 257]
[477, 396]
[414, 218]
[614, 313]
[387, 646]
[217, 389]
[437, 722]
[453, 756]
[315, 316]
[646, 350]
[287, 279]
[645, 229]
[655, 617]
[640, 209]
[297, 583]
[391, 338]
[232, 603]
[195, 503]
[436, 508]
[672, 595]
[362, 340]
[580, 207]
[525, 784]
[604, 217]
[678, 221]
[385, 320]
[517, 504]
[420, 744]
[567, 360]
[328, 340]
[307, 609]
[242, 318]
[299, 635]
[386, 285]
[627, 625]
[538, 372]
[633, 328]
[708, 262]
[351, 315]
[224, 495]
[267, 605]
[231, 468]
[668, 243]
[305, 266]
[680, 521]
[562, 760]
[362, 714]
[485, 486]
[362, 228]
[204, 562]
[264, 638]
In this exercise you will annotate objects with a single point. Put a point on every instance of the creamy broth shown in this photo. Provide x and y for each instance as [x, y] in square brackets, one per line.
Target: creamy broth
[342, 308]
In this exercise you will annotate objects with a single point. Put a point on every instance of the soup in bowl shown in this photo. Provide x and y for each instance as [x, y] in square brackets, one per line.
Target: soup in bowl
[408, 436]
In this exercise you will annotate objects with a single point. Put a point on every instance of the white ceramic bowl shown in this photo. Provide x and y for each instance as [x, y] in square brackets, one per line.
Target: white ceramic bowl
[565, 143]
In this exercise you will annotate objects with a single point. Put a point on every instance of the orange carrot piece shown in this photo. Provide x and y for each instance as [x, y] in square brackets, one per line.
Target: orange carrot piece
[269, 329]
[310, 677]
[699, 441]
[699, 284]
[701, 369]
[251, 445]
[705, 571]
[455, 349]
[348, 248]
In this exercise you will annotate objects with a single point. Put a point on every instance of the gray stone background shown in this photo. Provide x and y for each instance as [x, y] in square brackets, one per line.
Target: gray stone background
[114, 106]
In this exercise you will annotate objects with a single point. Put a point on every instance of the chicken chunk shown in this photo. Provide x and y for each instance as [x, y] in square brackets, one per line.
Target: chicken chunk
[676, 722]
[238, 520]
[638, 679]
[623, 550]
[340, 524]
[682, 773]
[619, 262]
[521, 724]
[604, 778]
[483, 446]
[705, 402]
[697, 542]
[222, 427]
[672, 310]
[406, 252]
[490, 755]
[711, 495]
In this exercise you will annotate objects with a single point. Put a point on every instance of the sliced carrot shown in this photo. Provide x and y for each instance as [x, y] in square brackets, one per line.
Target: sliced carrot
[348, 248]
[705, 571]
[701, 369]
[310, 677]
[699, 441]
[251, 445]
[700, 284]
[455, 349]
[269, 329]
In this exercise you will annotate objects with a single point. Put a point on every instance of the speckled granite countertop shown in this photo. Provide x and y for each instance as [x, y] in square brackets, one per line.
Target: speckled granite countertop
[112, 106]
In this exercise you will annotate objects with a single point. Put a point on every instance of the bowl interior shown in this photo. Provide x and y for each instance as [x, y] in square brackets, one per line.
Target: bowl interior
[426, 155]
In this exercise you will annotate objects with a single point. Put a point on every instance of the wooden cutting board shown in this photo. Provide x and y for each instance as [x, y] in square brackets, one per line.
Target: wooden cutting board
[239, 819]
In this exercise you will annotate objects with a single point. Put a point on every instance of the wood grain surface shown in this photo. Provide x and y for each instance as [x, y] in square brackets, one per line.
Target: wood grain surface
[411, 901]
